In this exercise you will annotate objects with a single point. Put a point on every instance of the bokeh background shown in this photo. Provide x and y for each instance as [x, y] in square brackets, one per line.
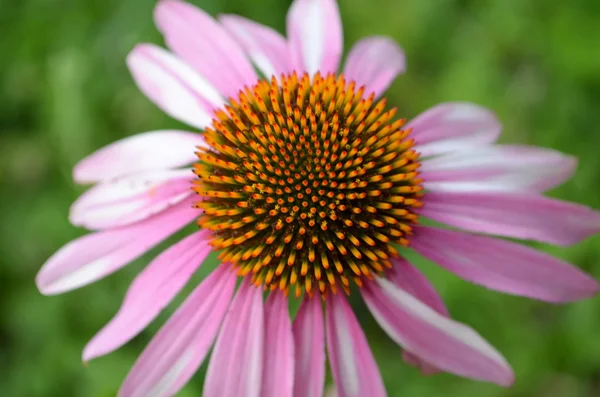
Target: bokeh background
[65, 91]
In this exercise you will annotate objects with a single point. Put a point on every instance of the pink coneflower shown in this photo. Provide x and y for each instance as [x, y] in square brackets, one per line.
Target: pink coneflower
[307, 185]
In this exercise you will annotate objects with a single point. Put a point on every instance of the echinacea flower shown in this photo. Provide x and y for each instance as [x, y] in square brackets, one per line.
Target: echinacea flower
[308, 186]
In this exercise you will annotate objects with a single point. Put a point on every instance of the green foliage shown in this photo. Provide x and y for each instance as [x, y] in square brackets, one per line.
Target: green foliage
[65, 91]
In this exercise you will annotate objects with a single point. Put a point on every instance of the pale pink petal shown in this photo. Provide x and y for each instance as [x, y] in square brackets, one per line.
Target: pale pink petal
[408, 278]
[130, 199]
[173, 86]
[178, 349]
[498, 168]
[314, 29]
[150, 292]
[453, 126]
[205, 45]
[96, 255]
[265, 46]
[518, 215]
[278, 372]
[309, 349]
[236, 365]
[150, 151]
[375, 62]
[504, 266]
[352, 364]
[450, 346]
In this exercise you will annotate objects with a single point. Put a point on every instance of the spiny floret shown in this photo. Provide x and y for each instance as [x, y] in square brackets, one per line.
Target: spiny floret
[308, 183]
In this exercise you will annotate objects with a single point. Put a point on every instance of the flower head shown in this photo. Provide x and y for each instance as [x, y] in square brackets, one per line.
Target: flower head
[308, 185]
[307, 181]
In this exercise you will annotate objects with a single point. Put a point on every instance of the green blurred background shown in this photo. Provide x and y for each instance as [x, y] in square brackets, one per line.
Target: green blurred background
[65, 91]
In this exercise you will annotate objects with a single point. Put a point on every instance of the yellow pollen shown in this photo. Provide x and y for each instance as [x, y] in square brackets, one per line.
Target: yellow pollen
[308, 183]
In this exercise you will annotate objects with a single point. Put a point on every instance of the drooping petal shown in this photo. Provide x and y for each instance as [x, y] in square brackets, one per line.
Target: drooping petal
[130, 199]
[352, 364]
[408, 278]
[96, 255]
[181, 345]
[266, 47]
[503, 265]
[498, 168]
[518, 215]
[450, 346]
[375, 62]
[453, 126]
[204, 44]
[278, 372]
[173, 86]
[150, 292]
[236, 365]
[150, 151]
[314, 29]
[309, 349]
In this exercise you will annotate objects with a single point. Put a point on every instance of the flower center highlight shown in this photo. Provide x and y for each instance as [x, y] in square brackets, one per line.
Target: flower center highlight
[308, 184]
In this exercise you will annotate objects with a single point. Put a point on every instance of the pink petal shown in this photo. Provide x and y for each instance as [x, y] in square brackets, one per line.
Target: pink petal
[518, 215]
[314, 30]
[265, 47]
[96, 255]
[450, 346]
[454, 126]
[278, 373]
[205, 45]
[130, 199]
[408, 278]
[498, 168]
[504, 266]
[178, 349]
[173, 85]
[236, 365]
[352, 364]
[309, 348]
[150, 151]
[151, 291]
[375, 62]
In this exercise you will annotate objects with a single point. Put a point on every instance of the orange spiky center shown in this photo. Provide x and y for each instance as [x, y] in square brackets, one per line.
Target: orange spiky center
[308, 184]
